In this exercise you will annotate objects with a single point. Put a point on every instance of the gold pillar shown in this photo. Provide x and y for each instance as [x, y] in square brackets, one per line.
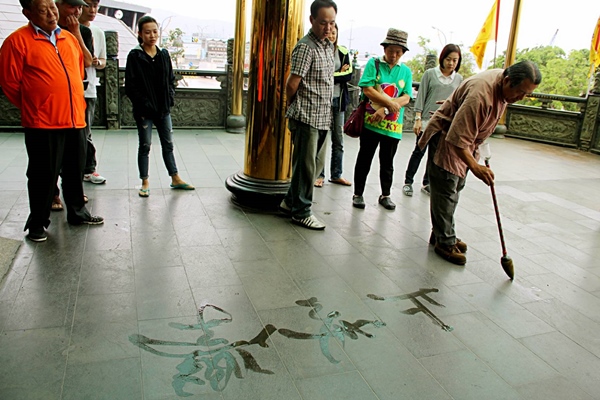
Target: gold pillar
[236, 122]
[511, 51]
[276, 28]
[238, 57]
[511, 48]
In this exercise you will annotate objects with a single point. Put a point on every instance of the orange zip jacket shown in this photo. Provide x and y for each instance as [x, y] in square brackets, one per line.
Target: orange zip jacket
[45, 82]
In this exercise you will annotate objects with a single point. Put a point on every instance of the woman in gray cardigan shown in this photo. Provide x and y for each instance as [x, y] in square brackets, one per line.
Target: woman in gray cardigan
[437, 84]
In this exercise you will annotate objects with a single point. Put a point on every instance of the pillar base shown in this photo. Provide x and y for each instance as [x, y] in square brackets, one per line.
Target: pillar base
[236, 124]
[256, 193]
[499, 132]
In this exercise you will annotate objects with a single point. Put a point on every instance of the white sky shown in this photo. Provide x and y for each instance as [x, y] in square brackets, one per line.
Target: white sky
[459, 20]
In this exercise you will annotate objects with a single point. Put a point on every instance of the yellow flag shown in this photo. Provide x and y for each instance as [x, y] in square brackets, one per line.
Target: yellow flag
[595, 48]
[488, 32]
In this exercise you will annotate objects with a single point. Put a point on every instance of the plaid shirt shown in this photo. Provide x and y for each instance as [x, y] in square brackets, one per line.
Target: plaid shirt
[312, 60]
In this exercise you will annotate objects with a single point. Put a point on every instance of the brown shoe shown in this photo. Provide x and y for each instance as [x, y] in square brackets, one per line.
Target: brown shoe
[451, 253]
[462, 246]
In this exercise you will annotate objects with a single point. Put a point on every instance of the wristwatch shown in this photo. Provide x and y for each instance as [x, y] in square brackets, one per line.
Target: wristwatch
[417, 118]
[386, 111]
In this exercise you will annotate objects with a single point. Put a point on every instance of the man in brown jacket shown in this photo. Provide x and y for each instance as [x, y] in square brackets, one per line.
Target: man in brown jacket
[458, 127]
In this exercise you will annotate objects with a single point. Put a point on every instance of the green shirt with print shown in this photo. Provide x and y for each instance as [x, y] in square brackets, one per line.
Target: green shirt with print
[395, 82]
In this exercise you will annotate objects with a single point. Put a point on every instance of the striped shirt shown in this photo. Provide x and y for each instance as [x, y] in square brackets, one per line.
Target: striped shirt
[312, 60]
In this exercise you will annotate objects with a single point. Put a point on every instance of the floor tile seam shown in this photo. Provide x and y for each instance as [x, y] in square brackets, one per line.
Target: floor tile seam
[21, 288]
[72, 324]
[552, 367]
[572, 278]
[341, 373]
[552, 274]
[341, 346]
[566, 334]
[531, 352]
[301, 291]
[414, 358]
[272, 343]
[498, 376]
[16, 199]
[556, 331]
[486, 312]
[135, 293]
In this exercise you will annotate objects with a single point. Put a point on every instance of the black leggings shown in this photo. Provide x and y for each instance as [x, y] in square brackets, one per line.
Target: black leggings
[369, 141]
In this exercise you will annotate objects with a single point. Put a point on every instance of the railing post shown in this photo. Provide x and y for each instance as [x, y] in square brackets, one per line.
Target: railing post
[111, 81]
[430, 61]
[236, 121]
[591, 117]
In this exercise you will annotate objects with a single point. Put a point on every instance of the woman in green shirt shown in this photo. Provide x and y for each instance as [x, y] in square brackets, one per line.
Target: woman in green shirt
[387, 84]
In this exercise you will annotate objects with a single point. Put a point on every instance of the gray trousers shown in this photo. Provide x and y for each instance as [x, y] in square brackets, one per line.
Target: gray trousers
[308, 160]
[445, 190]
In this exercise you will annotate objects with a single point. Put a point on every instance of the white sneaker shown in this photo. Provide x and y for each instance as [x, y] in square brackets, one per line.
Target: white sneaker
[284, 208]
[310, 222]
[94, 178]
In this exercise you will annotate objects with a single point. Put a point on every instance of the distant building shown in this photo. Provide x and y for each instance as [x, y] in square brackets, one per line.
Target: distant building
[216, 51]
[128, 13]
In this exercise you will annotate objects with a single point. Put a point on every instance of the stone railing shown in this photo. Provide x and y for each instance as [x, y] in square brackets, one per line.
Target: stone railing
[209, 108]
[579, 129]
[194, 108]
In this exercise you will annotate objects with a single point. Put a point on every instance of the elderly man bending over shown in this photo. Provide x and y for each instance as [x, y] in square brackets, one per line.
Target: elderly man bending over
[458, 127]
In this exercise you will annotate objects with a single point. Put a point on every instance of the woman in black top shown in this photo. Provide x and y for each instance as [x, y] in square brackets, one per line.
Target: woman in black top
[150, 84]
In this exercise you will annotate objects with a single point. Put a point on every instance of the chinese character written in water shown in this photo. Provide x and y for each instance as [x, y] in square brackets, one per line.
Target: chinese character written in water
[420, 307]
[219, 359]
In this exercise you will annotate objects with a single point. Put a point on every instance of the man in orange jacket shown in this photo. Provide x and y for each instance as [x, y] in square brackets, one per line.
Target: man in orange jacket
[41, 72]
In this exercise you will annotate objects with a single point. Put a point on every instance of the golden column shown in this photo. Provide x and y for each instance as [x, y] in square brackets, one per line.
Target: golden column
[236, 122]
[511, 51]
[277, 27]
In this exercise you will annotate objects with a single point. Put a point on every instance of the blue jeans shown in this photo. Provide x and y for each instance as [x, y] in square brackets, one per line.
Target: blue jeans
[337, 141]
[413, 166]
[308, 157]
[165, 134]
[90, 157]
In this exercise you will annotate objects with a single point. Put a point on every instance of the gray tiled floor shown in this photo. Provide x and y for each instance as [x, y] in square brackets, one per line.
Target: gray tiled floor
[111, 312]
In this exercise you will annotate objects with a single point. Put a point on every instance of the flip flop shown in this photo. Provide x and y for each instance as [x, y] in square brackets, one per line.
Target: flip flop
[56, 205]
[319, 182]
[183, 186]
[341, 181]
[144, 192]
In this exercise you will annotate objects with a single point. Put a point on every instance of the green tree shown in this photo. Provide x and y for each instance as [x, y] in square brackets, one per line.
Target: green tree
[174, 43]
[417, 63]
[562, 74]
[566, 76]
[467, 64]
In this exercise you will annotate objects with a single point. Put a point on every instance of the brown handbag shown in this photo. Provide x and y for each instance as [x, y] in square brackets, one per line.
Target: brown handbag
[356, 121]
